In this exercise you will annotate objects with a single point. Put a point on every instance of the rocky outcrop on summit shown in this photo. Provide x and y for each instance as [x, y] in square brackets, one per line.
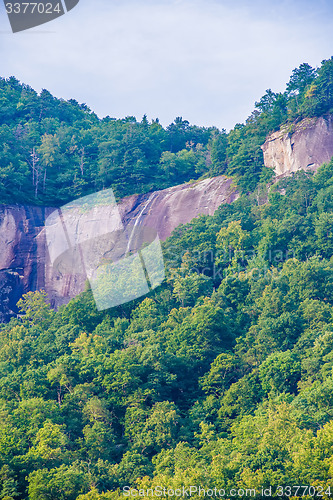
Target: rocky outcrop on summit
[24, 260]
[306, 146]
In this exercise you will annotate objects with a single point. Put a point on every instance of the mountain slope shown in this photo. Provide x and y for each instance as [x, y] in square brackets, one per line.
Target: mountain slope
[24, 259]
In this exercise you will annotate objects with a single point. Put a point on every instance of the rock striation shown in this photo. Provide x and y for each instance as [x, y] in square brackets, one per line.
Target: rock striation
[305, 146]
[24, 258]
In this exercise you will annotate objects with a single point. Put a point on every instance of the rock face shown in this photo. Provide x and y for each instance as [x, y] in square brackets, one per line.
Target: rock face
[24, 258]
[21, 254]
[306, 147]
[165, 210]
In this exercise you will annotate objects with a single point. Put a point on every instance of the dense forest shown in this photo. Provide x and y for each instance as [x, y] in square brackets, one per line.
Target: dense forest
[220, 378]
[52, 150]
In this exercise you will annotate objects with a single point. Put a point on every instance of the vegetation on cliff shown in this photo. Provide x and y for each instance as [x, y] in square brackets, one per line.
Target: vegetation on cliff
[52, 150]
[220, 378]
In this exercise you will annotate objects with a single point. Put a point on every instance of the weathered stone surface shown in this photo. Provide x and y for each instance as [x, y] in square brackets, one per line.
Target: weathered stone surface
[21, 254]
[306, 147]
[24, 258]
[165, 210]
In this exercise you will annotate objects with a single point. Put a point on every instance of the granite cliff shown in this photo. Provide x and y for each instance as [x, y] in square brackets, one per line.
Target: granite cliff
[303, 146]
[24, 258]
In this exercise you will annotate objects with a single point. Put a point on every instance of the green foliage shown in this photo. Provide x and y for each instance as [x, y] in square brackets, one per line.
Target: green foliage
[37, 311]
[221, 376]
[224, 373]
[53, 151]
[280, 372]
[62, 483]
[300, 79]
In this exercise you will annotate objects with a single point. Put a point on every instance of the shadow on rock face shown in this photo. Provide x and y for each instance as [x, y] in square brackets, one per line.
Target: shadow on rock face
[11, 291]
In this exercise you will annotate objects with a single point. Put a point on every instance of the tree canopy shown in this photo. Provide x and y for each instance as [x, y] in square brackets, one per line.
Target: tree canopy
[223, 375]
[52, 150]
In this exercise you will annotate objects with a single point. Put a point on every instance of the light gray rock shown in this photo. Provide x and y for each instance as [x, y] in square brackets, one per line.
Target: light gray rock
[306, 146]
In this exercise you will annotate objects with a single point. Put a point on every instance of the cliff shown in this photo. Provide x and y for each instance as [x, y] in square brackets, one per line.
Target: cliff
[306, 146]
[24, 258]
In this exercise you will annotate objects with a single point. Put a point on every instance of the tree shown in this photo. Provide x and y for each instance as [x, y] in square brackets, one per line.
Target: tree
[231, 245]
[62, 483]
[187, 289]
[324, 233]
[223, 372]
[9, 485]
[280, 372]
[323, 92]
[35, 308]
[150, 431]
[218, 153]
[300, 78]
[47, 152]
[49, 445]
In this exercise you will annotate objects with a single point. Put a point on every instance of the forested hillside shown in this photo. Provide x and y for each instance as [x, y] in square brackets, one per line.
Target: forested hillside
[220, 378]
[52, 150]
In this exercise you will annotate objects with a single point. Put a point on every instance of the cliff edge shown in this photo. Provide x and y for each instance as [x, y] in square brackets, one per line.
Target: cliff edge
[303, 146]
[24, 260]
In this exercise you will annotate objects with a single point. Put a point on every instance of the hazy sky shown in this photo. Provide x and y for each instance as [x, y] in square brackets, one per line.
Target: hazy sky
[205, 60]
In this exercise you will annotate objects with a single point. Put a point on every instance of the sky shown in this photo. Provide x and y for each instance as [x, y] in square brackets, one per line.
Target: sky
[205, 60]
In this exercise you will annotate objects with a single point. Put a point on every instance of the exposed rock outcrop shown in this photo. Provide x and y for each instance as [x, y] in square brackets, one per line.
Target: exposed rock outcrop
[306, 146]
[21, 254]
[165, 210]
[24, 260]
